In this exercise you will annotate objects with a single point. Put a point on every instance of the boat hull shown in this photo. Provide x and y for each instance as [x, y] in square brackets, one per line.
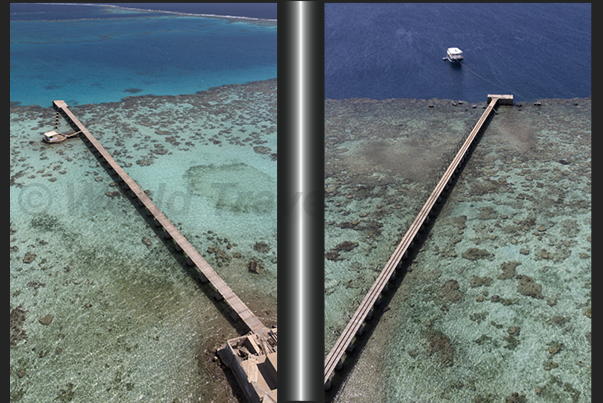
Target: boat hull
[55, 139]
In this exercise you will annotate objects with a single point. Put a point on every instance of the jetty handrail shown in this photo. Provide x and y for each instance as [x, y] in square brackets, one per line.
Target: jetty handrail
[353, 326]
[242, 311]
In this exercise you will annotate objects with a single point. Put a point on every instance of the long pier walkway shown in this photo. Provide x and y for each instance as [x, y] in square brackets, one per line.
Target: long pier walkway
[206, 272]
[364, 311]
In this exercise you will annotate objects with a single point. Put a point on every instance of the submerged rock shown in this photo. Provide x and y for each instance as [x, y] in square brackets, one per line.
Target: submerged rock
[29, 258]
[346, 246]
[528, 287]
[440, 345]
[476, 254]
[508, 270]
[262, 150]
[46, 320]
[261, 247]
[332, 255]
[17, 333]
[450, 291]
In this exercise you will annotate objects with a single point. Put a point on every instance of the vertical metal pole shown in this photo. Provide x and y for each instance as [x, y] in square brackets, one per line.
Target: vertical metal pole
[301, 200]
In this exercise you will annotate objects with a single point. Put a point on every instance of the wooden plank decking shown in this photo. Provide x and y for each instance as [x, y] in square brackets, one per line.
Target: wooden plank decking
[208, 273]
[346, 338]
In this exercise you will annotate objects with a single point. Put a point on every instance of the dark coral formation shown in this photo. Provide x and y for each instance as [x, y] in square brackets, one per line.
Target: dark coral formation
[479, 281]
[476, 254]
[528, 287]
[450, 291]
[516, 398]
[261, 247]
[508, 270]
[438, 343]
[17, 333]
[346, 246]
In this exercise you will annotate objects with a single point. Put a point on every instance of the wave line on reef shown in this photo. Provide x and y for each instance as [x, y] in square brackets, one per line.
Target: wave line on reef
[165, 11]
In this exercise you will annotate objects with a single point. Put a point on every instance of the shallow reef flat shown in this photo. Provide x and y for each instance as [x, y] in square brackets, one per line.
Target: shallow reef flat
[496, 305]
[101, 309]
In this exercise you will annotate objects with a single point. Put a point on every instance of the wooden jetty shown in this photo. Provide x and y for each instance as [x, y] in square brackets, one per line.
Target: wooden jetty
[206, 272]
[365, 310]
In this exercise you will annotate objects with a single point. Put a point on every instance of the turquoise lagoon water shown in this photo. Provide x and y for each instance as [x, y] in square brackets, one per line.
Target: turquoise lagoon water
[128, 321]
[496, 305]
[115, 53]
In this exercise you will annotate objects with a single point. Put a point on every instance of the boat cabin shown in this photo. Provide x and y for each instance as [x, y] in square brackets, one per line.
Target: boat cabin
[454, 54]
[53, 137]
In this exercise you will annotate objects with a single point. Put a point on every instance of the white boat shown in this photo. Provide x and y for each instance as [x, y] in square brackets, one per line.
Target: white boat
[53, 137]
[454, 55]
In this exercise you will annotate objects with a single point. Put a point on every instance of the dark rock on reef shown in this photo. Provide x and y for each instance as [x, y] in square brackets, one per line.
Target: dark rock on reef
[253, 267]
[516, 397]
[332, 255]
[46, 320]
[145, 161]
[262, 150]
[450, 291]
[508, 270]
[346, 246]
[219, 253]
[528, 287]
[477, 281]
[440, 345]
[17, 318]
[29, 258]
[261, 247]
[36, 284]
[476, 254]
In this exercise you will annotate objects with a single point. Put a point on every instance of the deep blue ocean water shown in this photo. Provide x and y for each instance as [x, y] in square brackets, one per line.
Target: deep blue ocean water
[383, 51]
[99, 53]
